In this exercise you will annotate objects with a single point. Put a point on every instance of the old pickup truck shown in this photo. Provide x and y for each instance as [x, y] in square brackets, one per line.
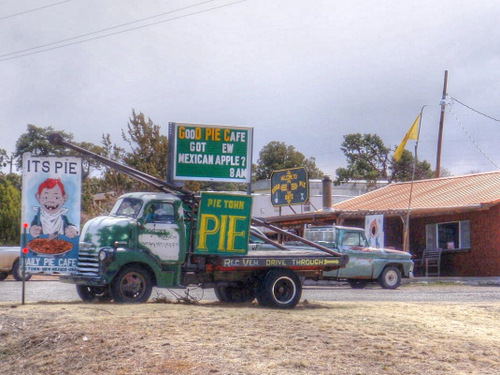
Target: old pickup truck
[366, 264]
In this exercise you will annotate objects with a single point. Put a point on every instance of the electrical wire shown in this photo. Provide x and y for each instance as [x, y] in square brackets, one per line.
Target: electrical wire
[34, 10]
[474, 110]
[21, 54]
[472, 139]
[103, 30]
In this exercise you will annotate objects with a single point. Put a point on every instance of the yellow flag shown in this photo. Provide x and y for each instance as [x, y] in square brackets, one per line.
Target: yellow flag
[411, 134]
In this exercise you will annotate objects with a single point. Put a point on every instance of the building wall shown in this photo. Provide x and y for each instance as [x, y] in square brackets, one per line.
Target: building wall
[483, 259]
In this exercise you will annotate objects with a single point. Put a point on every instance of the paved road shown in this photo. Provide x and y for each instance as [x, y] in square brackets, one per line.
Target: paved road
[52, 290]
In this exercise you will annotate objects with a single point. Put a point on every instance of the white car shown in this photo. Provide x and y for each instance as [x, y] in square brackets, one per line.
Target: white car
[10, 263]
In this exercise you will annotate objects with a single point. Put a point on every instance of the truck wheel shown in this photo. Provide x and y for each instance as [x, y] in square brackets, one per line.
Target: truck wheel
[89, 293]
[3, 276]
[279, 288]
[235, 294]
[357, 283]
[17, 272]
[390, 278]
[132, 284]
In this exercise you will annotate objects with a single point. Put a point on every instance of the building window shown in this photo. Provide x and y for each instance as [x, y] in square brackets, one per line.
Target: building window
[453, 235]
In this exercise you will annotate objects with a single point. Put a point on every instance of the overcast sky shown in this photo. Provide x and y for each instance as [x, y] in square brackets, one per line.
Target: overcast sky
[301, 72]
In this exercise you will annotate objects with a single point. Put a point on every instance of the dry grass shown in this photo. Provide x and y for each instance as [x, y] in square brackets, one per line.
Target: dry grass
[213, 338]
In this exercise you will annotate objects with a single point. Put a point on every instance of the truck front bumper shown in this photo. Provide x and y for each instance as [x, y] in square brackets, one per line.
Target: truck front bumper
[82, 280]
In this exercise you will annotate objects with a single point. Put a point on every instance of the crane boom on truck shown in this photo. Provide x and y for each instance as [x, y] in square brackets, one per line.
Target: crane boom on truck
[153, 239]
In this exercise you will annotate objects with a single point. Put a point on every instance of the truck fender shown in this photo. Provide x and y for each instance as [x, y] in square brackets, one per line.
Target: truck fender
[125, 258]
[379, 267]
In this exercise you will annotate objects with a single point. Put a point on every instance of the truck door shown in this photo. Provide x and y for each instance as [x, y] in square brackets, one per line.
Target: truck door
[160, 232]
[354, 244]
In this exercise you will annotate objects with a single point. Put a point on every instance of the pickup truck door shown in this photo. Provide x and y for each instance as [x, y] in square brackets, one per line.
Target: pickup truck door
[160, 233]
[360, 256]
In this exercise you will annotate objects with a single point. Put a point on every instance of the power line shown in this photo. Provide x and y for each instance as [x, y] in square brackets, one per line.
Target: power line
[472, 139]
[474, 110]
[21, 54]
[102, 30]
[33, 10]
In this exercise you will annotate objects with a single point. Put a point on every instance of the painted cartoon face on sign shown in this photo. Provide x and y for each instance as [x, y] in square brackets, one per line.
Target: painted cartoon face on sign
[50, 216]
[51, 199]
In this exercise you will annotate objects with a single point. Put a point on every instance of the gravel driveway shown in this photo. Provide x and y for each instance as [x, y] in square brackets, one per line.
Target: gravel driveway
[48, 289]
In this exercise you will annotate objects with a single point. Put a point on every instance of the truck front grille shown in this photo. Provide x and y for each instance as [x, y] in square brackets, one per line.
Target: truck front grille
[88, 262]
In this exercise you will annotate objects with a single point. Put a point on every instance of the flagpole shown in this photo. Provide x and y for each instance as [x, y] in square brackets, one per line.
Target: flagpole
[406, 235]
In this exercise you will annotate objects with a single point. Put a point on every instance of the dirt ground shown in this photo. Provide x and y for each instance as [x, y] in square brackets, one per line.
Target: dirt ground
[214, 338]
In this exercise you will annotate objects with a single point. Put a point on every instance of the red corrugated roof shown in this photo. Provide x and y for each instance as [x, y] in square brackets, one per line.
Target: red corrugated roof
[467, 192]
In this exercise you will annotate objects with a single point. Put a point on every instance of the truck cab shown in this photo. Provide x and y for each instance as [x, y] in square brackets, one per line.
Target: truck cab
[144, 232]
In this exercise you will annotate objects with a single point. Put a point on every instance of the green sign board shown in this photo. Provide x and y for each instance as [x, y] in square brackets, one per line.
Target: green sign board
[289, 186]
[212, 153]
[223, 224]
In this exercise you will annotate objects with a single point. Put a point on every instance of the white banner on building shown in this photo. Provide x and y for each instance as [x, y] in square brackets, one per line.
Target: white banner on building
[374, 229]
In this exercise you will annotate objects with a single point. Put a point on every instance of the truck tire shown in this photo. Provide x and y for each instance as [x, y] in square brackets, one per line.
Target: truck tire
[390, 278]
[89, 293]
[235, 294]
[357, 283]
[17, 272]
[3, 276]
[279, 288]
[132, 284]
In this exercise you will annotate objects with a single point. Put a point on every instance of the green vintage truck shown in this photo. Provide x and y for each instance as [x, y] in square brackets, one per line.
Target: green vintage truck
[366, 264]
[157, 239]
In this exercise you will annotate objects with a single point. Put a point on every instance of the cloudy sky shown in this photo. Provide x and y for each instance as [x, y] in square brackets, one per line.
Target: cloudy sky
[300, 72]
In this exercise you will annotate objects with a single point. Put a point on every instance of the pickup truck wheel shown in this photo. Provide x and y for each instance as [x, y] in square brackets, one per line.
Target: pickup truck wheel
[390, 278]
[3, 276]
[89, 293]
[132, 284]
[235, 294]
[357, 283]
[17, 272]
[279, 288]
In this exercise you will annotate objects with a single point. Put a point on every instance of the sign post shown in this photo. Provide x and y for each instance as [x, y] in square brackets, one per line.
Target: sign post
[24, 252]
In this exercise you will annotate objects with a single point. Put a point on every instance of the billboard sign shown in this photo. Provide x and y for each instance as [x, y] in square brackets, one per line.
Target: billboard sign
[289, 187]
[223, 224]
[212, 153]
[51, 209]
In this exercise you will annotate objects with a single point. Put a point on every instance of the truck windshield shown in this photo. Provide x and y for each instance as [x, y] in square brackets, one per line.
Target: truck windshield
[127, 207]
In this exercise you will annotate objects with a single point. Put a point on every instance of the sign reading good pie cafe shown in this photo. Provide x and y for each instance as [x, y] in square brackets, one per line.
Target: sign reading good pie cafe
[211, 152]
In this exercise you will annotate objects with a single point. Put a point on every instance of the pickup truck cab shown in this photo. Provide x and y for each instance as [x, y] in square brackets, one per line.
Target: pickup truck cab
[366, 264]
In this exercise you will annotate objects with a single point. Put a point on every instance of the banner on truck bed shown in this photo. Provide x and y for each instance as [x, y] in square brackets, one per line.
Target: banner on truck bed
[51, 210]
[211, 152]
[223, 224]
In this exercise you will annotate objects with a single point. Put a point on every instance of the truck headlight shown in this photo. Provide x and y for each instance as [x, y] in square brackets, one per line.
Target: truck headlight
[103, 254]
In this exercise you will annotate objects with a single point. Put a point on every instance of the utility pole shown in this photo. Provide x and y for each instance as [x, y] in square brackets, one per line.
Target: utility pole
[441, 124]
